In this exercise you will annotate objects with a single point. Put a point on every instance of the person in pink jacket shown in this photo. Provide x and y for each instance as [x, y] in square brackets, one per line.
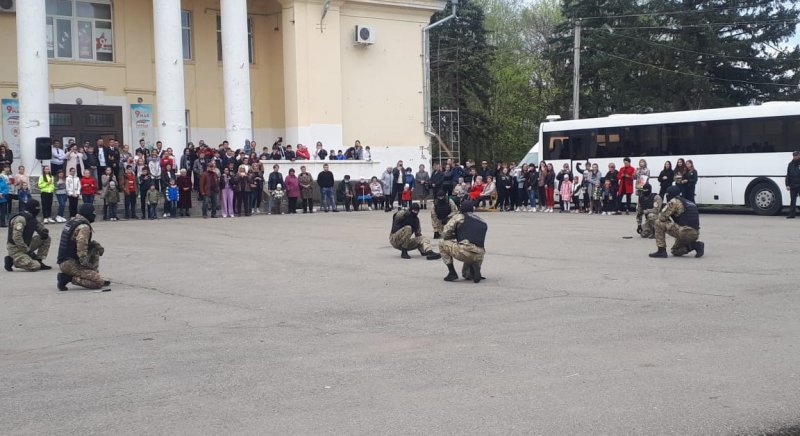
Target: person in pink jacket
[292, 190]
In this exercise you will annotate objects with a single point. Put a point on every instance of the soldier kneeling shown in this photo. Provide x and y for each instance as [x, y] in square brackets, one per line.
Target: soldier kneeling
[78, 254]
[406, 234]
[648, 208]
[28, 240]
[463, 239]
[681, 220]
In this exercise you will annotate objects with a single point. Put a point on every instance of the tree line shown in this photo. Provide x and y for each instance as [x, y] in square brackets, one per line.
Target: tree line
[507, 64]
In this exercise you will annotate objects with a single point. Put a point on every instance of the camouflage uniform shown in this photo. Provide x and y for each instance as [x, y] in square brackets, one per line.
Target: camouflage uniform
[684, 236]
[18, 250]
[649, 215]
[406, 239]
[465, 251]
[438, 227]
[84, 271]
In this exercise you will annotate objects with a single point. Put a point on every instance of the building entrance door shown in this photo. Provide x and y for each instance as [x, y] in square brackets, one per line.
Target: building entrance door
[85, 123]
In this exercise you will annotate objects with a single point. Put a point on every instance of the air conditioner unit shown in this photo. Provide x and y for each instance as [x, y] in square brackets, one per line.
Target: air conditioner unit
[364, 35]
[8, 6]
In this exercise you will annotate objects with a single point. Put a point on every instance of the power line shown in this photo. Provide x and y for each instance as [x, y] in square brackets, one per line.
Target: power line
[685, 50]
[689, 74]
[688, 26]
[650, 14]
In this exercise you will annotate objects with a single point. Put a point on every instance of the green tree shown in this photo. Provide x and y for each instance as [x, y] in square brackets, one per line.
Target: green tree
[460, 77]
[665, 55]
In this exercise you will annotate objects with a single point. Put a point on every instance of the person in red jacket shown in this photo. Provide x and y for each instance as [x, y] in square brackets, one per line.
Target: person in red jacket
[625, 177]
[88, 187]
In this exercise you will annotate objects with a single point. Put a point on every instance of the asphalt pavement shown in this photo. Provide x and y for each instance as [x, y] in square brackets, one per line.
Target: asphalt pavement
[313, 324]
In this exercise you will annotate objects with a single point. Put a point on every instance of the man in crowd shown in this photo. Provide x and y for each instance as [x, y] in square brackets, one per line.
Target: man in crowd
[325, 182]
[28, 240]
[78, 254]
[648, 208]
[406, 234]
[443, 209]
[463, 239]
[681, 220]
[209, 190]
[793, 183]
[58, 158]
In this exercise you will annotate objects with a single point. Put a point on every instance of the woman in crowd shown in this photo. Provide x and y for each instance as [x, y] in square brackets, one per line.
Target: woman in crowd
[689, 181]
[226, 193]
[292, 186]
[376, 190]
[47, 186]
[680, 169]
[550, 187]
[6, 156]
[665, 178]
[256, 186]
[504, 190]
[422, 183]
[184, 183]
[489, 189]
[74, 159]
[625, 176]
[306, 182]
[642, 176]
[541, 184]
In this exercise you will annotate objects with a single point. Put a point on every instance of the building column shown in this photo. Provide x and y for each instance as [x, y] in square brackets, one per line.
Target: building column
[236, 72]
[32, 78]
[170, 99]
[312, 74]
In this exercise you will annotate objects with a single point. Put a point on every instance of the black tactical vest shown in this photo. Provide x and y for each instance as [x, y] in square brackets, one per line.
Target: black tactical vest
[442, 209]
[27, 232]
[647, 201]
[473, 229]
[690, 216]
[67, 248]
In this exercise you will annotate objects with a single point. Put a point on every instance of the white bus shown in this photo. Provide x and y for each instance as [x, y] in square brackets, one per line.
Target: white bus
[740, 153]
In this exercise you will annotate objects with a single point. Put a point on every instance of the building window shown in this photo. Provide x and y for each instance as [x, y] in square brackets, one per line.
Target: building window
[249, 39]
[80, 30]
[186, 28]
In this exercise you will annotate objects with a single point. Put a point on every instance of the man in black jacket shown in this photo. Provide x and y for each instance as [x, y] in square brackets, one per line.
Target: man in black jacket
[793, 183]
[325, 182]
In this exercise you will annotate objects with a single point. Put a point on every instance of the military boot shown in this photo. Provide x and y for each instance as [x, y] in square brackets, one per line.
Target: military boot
[431, 255]
[42, 266]
[63, 280]
[662, 252]
[452, 275]
[9, 263]
[404, 254]
[476, 273]
[699, 248]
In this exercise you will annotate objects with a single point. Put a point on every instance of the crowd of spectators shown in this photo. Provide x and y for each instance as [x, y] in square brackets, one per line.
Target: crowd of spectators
[154, 183]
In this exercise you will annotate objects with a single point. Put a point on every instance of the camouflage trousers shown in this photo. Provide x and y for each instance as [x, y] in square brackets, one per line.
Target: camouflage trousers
[404, 239]
[436, 223]
[684, 237]
[466, 252]
[86, 276]
[649, 225]
[21, 258]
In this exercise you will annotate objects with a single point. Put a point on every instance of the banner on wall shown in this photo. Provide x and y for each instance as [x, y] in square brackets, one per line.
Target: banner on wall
[11, 124]
[142, 124]
[104, 42]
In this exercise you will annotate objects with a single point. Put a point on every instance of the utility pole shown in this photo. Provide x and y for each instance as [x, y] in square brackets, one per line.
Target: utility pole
[576, 72]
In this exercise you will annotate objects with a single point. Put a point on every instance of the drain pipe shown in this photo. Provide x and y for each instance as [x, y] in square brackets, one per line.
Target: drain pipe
[426, 68]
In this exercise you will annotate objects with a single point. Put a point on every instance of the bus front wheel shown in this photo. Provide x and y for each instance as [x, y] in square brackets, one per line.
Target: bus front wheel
[765, 199]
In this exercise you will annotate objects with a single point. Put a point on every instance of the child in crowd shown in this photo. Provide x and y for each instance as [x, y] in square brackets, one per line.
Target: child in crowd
[88, 187]
[566, 192]
[277, 199]
[340, 155]
[152, 202]
[609, 198]
[597, 194]
[578, 191]
[406, 195]
[171, 203]
[367, 154]
[61, 196]
[111, 198]
[24, 195]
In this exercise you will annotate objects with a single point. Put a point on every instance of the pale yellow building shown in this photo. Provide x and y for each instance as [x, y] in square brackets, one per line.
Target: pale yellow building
[306, 70]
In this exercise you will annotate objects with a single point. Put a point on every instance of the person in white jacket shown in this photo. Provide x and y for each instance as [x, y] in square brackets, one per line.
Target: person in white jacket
[73, 192]
[154, 166]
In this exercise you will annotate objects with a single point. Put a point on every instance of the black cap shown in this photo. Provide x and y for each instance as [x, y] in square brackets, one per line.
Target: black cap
[466, 206]
[415, 207]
